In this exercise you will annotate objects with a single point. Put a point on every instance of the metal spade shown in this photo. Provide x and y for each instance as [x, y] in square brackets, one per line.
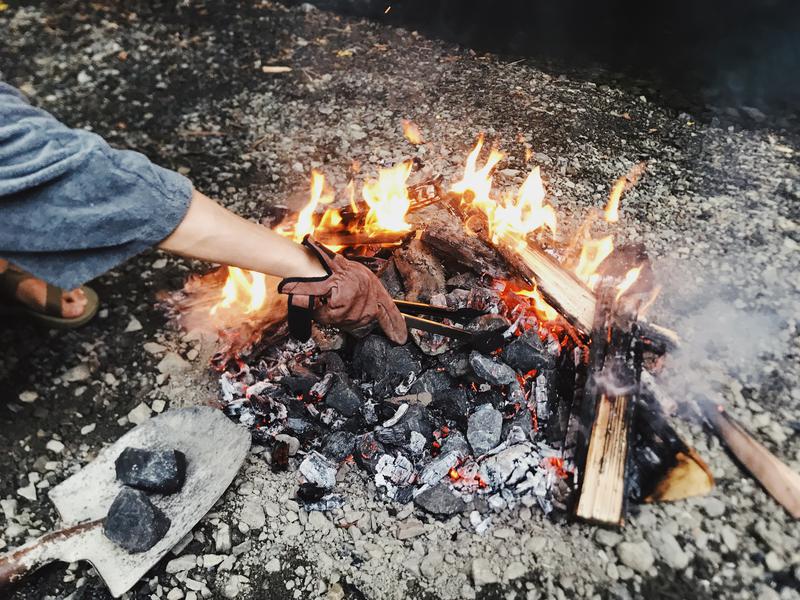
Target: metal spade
[215, 449]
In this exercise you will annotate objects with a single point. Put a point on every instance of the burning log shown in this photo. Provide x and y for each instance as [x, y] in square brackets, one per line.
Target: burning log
[355, 238]
[609, 400]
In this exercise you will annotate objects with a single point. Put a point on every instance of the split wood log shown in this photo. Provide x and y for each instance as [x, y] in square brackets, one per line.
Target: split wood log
[348, 239]
[609, 400]
[779, 480]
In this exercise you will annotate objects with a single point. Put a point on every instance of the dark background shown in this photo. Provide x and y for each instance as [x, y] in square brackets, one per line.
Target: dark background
[725, 54]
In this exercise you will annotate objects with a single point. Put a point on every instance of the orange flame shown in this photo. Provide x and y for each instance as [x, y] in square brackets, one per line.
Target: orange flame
[543, 310]
[593, 253]
[612, 208]
[454, 474]
[245, 291]
[388, 200]
[412, 133]
[629, 279]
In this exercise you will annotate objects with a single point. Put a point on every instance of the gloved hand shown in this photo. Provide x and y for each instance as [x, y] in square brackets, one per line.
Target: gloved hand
[349, 297]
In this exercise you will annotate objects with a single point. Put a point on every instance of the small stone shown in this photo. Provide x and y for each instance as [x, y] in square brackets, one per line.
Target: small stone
[55, 446]
[133, 325]
[440, 500]
[28, 397]
[175, 594]
[233, 586]
[173, 364]
[774, 562]
[607, 538]
[730, 537]
[484, 429]
[187, 562]
[430, 566]
[482, 572]
[154, 348]
[410, 529]
[140, 414]
[28, 492]
[713, 507]
[669, 550]
[87, 429]
[158, 406]
[212, 560]
[9, 508]
[79, 372]
[514, 570]
[161, 472]
[635, 555]
[222, 538]
[273, 565]
[253, 514]
[490, 370]
[134, 523]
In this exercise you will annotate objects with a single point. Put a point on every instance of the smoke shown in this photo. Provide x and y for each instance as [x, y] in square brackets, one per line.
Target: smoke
[724, 348]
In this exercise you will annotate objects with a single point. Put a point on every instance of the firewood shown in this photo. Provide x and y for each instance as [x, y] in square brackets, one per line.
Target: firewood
[345, 238]
[422, 273]
[609, 399]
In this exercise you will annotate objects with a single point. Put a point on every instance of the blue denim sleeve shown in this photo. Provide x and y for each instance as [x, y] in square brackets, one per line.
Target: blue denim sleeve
[72, 207]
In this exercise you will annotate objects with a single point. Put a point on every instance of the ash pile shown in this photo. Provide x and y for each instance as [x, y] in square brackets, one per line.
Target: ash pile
[436, 422]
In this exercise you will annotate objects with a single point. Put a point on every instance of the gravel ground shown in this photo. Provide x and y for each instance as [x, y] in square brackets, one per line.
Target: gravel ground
[718, 209]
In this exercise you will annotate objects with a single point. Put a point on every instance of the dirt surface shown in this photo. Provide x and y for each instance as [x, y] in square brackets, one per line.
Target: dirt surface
[718, 209]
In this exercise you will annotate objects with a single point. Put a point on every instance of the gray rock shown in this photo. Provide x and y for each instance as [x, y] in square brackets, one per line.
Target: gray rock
[484, 428]
[222, 538]
[713, 507]
[187, 562]
[482, 572]
[410, 529]
[669, 550]
[440, 500]
[134, 523]
[139, 414]
[173, 364]
[490, 370]
[431, 565]
[635, 555]
[160, 472]
[607, 538]
[79, 372]
[252, 513]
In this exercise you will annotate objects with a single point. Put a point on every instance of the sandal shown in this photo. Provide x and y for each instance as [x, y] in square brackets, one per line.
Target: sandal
[50, 314]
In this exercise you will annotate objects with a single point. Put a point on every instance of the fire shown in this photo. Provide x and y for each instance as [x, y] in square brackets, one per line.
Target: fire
[478, 182]
[629, 279]
[245, 291]
[412, 133]
[611, 211]
[543, 310]
[454, 474]
[305, 218]
[593, 253]
[388, 200]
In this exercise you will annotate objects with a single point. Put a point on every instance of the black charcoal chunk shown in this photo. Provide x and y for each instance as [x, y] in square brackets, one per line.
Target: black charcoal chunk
[522, 420]
[344, 396]
[432, 381]
[440, 500]
[490, 370]
[298, 385]
[331, 362]
[453, 405]
[528, 352]
[484, 429]
[455, 442]
[417, 419]
[390, 279]
[490, 322]
[339, 445]
[280, 457]
[369, 357]
[158, 471]
[311, 492]
[456, 362]
[368, 452]
[134, 523]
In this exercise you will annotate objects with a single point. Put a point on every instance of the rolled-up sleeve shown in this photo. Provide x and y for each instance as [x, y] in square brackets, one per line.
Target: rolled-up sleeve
[72, 207]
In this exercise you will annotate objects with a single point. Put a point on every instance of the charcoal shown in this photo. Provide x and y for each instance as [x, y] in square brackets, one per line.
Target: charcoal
[318, 470]
[456, 362]
[392, 436]
[432, 380]
[339, 445]
[522, 420]
[439, 467]
[157, 471]
[484, 428]
[458, 298]
[368, 451]
[327, 338]
[453, 405]
[417, 418]
[482, 298]
[404, 495]
[298, 386]
[489, 322]
[440, 500]
[326, 503]
[455, 442]
[465, 280]
[390, 279]
[280, 456]
[528, 352]
[344, 396]
[509, 466]
[394, 472]
[369, 357]
[490, 370]
[492, 397]
[310, 492]
[401, 362]
[331, 362]
[299, 426]
[133, 522]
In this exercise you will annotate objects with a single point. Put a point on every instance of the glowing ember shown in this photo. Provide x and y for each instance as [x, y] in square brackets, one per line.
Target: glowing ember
[593, 253]
[454, 475]
[543, 310]
[388, 200]
[412, 133]
[629, 279]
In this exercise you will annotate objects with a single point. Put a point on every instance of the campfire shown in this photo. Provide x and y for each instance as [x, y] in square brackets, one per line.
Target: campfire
[522, 382]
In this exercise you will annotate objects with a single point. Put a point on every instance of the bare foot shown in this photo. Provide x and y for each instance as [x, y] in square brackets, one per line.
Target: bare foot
[33, 292]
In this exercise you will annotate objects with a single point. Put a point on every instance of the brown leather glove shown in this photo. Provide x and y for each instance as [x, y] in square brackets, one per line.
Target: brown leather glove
[350, 297]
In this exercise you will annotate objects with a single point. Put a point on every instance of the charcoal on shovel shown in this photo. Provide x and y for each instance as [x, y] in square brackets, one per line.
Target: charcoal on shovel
[490, 370]
[133, 522]
[158, 471]
[528, 352]
[440, 500]
[484, 429]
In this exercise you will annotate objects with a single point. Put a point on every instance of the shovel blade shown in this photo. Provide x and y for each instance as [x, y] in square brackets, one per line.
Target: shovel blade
[214, 447]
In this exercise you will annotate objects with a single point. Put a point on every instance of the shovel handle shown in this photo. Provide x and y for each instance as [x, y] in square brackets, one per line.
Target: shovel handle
[26, 559]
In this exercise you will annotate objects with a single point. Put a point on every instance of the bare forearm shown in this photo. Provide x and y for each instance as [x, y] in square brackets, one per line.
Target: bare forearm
[212, 233]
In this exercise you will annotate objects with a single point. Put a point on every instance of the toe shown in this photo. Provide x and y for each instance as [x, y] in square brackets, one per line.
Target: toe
[73, 303]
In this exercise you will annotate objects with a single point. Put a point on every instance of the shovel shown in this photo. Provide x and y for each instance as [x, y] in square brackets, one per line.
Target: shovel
[214, 447]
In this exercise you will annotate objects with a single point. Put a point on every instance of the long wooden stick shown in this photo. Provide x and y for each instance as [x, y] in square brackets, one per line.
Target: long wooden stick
[779, 480]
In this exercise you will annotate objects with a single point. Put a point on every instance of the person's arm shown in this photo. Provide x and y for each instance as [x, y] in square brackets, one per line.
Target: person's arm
[212, 233]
